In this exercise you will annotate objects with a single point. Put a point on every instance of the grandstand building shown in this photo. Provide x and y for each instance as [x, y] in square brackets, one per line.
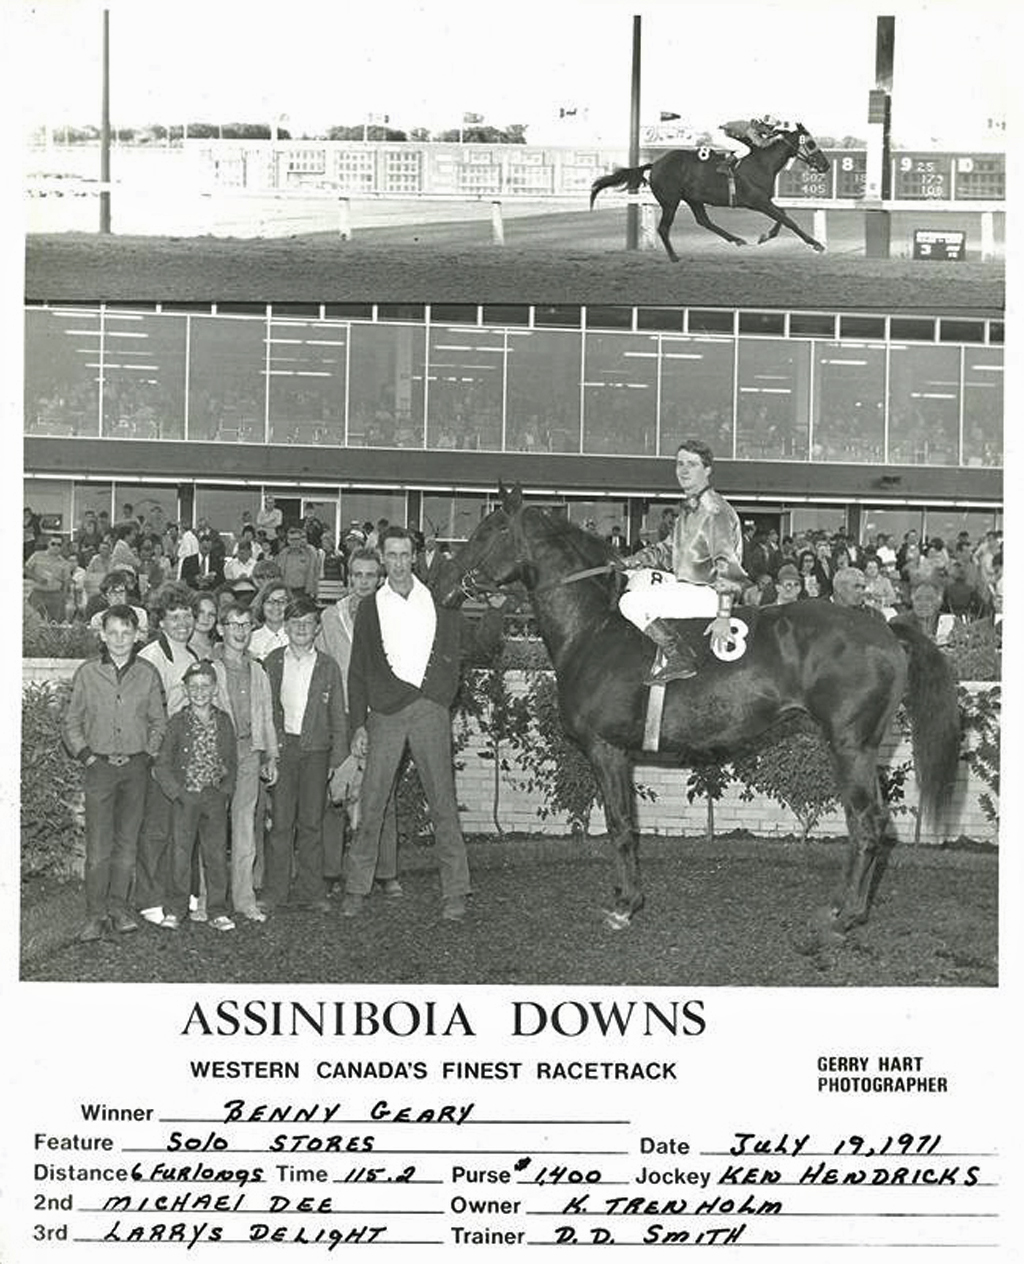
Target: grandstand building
[873, 421]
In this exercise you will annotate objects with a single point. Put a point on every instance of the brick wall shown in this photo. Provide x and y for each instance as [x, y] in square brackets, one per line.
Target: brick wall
[669, 813]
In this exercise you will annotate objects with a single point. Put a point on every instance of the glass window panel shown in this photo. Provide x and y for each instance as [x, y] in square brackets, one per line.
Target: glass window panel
[284, 310]
[620, 394]
[224, 507]
[143, 376]
[307, 382]
[763, 323]
[452, 516]
[696, 393]
[773, 406]
[360, 506]
[669, 319]
[961, 331]
[710, 322]
[919, 328]
[349, 311]
[983, 406]
[609, 317]
[97, 497]
[948, 523]
[454, 313]
[401, 311]
[543, 391]
[822, 325]
[557, 314]
[599, 516]
[861, 326]
[62, 356]
[227, 380]
[895, 523]
[386, 387]
[849, 402]
[155, 505]
[924, 405]
[996, 330]
[506, 314]
[466, 386]
[808, 518]
[50, 500]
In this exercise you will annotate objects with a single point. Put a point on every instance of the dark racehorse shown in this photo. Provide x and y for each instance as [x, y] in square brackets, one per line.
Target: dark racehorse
[684, 175]
[844, 668]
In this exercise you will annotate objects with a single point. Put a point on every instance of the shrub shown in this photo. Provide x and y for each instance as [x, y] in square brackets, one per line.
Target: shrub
[975, 650]
[980, 715]
[58, 640]
[795, 769]
[553, 763]
[52, 833]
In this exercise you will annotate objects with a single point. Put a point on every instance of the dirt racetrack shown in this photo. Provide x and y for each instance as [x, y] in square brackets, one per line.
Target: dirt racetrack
[573, 257]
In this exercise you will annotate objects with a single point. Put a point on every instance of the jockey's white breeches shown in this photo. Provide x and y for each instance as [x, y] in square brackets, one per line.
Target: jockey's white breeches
[659, 595]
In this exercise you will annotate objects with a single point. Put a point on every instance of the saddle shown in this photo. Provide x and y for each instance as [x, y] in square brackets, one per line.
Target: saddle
[692, 633]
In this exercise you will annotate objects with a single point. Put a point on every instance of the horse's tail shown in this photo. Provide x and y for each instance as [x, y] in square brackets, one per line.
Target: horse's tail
[619, 179]
[934, 720]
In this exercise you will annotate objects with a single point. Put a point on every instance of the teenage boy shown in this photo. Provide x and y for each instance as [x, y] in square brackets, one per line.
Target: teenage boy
[312, 736]
[196, 770]
[243, 691]
[114, 725]
[170, 655]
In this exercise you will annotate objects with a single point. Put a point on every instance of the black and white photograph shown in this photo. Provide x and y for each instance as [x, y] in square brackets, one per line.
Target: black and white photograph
[513, 537]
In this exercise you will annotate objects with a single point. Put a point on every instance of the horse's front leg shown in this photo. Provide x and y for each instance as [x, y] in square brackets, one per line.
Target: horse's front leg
[613, 772]
[701, 216]
[768, 207]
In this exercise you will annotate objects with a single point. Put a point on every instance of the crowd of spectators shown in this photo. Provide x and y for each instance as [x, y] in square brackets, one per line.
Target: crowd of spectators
[73, 578]
[938, 584]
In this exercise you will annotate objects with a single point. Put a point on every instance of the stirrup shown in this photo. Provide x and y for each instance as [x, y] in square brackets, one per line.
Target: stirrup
[679, 664]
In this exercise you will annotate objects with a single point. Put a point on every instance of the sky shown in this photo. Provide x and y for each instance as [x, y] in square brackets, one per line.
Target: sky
[323, 62]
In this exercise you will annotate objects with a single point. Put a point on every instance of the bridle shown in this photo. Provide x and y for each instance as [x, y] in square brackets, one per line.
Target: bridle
[475, 583]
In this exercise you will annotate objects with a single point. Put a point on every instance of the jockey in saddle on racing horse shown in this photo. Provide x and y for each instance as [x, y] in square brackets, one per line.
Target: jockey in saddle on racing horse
[755, 133]
[703, 554]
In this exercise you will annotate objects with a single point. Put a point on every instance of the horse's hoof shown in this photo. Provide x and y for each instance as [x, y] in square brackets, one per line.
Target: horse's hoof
[739, 242]
[819, 248]
[615, 920]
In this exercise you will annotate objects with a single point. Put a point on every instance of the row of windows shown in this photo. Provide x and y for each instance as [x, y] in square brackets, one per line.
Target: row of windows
[170, 376]
[449, 515]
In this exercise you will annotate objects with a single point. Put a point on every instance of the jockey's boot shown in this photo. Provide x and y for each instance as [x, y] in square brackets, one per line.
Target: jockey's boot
[680, 661]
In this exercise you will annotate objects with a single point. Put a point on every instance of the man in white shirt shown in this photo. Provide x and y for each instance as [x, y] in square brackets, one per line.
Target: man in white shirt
[402, 680]
[336, 628]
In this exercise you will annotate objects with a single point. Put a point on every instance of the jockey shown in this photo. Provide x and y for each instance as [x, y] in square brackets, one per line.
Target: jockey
[703, 556]
[755, 133]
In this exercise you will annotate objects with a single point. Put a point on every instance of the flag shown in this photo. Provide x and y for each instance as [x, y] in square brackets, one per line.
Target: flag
[472, 118]
[567, 111]
[667, 116]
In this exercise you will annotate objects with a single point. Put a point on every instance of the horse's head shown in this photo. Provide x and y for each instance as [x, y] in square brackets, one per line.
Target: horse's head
[805, 147]
[490, 558]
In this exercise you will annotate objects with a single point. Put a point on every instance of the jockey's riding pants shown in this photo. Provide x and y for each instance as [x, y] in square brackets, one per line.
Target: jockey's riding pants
[659, 595]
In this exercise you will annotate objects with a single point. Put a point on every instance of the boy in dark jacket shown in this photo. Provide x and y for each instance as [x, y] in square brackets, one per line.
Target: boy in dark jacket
[196, 770]
[114, 724]
[312, 736]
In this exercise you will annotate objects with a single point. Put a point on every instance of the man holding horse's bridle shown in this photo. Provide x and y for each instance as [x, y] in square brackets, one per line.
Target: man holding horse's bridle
[703, 555]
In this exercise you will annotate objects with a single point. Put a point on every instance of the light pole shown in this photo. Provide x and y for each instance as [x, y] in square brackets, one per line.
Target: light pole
[633, 210]
[105, 130]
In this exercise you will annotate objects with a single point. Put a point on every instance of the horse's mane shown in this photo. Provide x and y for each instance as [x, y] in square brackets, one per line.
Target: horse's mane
[590, 548]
